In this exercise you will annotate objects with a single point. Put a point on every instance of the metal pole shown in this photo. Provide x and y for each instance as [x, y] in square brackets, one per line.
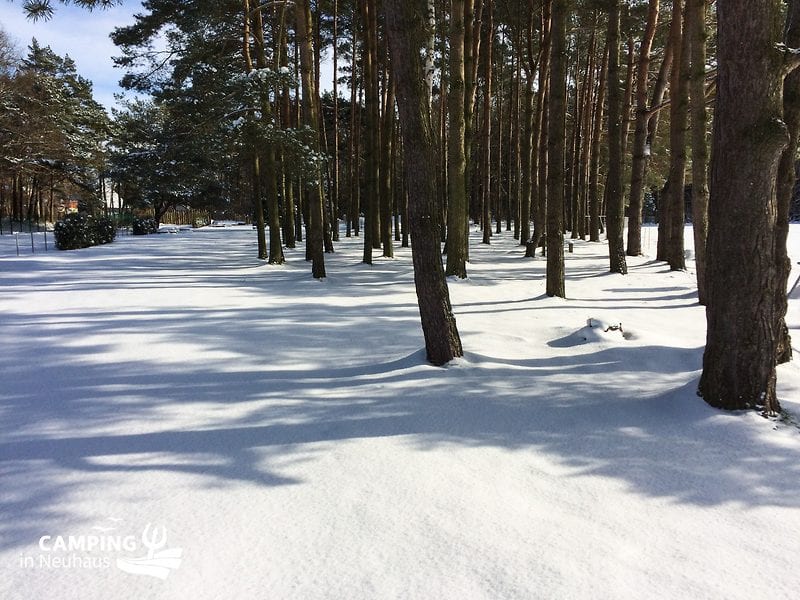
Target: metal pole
[16, 239]
[33, 249]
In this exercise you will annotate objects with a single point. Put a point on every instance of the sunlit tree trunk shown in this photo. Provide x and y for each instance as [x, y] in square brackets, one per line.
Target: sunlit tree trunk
[335, 168]
[406, 32]
[640, 152]
[616, 204]
[314, 233]
[354, 203]
[270, 167]
[457, 213]
[696, 30]
[748, 141]
[372, 139]
[486, 158]
[258, 205]
[539, 159]
[386, 169]
[678, 119]
[473, 11]
[556, 145]
[594, 160]
[284, 112]
[586, 136]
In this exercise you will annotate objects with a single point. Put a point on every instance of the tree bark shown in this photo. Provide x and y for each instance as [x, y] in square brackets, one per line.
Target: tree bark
[335, 167]
[616, 202]
[594, 160]
[486, 159]
[372, 141]
[675, 217]
[640, 151]
[526, 166]
[586, 137]
[270, 164]
[405, 29]
[787, 176]
[315, 234]
[748, 140]
[556, 146]
[354, 201]
[457, 214]
[539, 158]
[696, 30]
[386, 170]
[473, 11]
[258, 205]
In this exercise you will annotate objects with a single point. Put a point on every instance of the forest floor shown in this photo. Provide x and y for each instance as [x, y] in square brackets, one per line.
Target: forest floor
[178, 420]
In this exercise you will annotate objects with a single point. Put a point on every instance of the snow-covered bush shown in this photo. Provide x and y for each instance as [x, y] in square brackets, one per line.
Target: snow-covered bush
[102, 230]
[72, 232]
[144, 226]
[80, 230]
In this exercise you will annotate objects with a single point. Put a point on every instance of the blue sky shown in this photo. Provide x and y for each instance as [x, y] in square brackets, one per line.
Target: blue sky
[78, 32]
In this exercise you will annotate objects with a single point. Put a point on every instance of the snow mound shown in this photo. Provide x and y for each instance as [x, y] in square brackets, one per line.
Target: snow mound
[595, 331]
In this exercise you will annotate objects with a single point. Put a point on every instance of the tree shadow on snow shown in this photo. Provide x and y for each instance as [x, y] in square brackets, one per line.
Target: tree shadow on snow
[625, 412]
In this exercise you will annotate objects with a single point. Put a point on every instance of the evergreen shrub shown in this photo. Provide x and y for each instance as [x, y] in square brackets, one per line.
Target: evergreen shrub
[144, 226]
[102, 230]
[79, 230]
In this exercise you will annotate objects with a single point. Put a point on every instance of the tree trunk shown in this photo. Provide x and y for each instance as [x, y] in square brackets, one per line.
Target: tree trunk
[616, 202]
[696, 30]
[335, 167]
[539, 157]
[386, 170]
[659, 90]
[586, 127]
[526, 152]
[486, 159]
[258, 205]
[354, 202]
[372, 141]
[749, 138]
[430, 47]
[473, 11]
[627, 102]
[640, 151]
[786, 182]
[405, 29]
[314, 234]
[457, 217]
[502, 108]
[594, 160]
[270, 164]
[514, 143]
[575, 142]
[556, 146]
[678, 116]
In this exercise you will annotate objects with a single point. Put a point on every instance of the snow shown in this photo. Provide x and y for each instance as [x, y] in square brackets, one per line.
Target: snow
[285, 438]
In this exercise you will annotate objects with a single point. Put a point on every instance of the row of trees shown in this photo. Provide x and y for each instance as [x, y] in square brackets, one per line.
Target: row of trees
[53, 134]
[540, 116]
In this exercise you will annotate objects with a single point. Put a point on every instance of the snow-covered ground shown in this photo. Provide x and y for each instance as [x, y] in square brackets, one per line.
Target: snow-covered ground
[216, 428]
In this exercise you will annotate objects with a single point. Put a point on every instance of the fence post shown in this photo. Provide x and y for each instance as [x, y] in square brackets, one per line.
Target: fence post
[33, 250]
[16, 239]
